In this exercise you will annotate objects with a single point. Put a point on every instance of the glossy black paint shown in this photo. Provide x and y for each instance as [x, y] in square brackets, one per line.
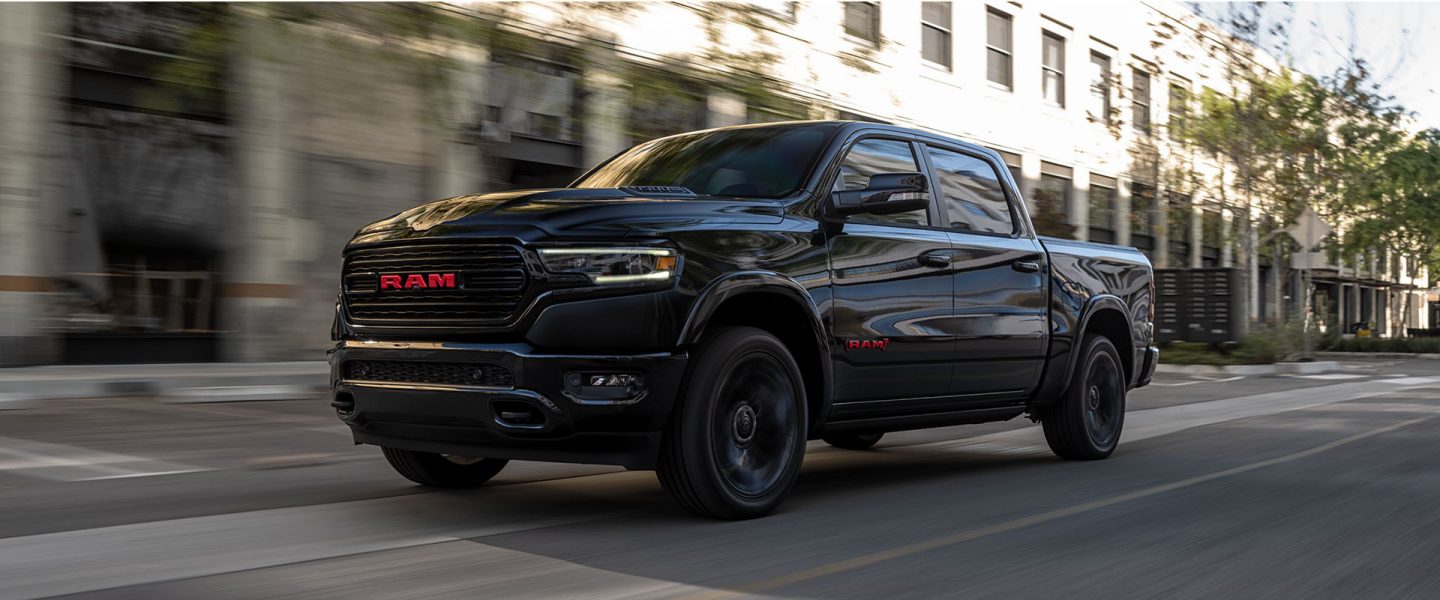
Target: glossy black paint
[979, 327]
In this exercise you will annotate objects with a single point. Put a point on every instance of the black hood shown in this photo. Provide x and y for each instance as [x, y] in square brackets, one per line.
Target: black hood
[586, 212]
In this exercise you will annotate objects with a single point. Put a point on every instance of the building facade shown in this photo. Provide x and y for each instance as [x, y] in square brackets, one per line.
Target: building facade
[178, 179]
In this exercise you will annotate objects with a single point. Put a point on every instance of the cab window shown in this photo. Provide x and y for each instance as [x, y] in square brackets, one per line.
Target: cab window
[872, 156]
[974, 196]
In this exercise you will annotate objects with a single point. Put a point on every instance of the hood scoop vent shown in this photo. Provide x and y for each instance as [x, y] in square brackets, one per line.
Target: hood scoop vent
[657, 190]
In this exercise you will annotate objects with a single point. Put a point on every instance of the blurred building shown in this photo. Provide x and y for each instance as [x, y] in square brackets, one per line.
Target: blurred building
[176, 180]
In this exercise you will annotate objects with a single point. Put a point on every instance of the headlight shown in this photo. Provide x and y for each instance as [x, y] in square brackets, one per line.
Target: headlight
[612, 265]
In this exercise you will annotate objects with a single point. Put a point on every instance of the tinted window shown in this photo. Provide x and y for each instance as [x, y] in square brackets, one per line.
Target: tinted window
[870, 157]
[765, 162]
[974, 196]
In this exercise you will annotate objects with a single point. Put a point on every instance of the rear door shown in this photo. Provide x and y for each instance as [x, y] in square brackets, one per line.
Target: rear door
[892, 289]
[999, 275]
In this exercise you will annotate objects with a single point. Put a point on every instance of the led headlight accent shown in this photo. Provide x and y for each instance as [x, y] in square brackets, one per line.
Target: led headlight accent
[612, 265]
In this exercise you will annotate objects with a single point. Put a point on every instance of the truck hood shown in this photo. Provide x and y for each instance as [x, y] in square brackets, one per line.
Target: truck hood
[582, 212]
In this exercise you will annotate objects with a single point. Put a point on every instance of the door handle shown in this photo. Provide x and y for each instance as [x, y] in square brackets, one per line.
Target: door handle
[1026, 266]
[936, 258]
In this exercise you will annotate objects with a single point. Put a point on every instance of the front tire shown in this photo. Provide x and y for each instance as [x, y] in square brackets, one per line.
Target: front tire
[1085, 422]
[735, 443]
[852, 441]
[443, 470]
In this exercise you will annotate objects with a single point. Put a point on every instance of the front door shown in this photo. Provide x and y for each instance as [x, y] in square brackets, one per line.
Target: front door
[1000, 312]
[892, 291]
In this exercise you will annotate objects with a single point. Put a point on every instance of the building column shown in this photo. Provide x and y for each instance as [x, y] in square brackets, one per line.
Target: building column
[261, 280]
[1229, 236]
[606, 105]
[1079, 207]
[724, 109]
[1122, 211]
[1161, 221]
[32, 73]
[1197, 232]
[457, 167]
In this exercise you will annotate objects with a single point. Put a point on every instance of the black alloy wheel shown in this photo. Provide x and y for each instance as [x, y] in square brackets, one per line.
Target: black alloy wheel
[737, 437]
[1086, 421]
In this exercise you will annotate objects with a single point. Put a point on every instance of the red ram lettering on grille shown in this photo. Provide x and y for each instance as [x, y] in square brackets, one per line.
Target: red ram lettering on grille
[418, 281]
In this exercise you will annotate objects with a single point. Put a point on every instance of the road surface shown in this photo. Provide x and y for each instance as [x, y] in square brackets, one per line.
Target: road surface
[1295, 487]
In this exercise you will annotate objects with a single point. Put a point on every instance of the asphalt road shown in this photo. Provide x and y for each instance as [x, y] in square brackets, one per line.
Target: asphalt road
[1282, 487]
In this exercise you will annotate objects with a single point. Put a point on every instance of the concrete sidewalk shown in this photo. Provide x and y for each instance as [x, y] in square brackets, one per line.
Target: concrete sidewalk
[188, 382]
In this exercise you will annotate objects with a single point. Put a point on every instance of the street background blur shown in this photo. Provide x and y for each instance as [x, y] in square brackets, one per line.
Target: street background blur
[177, 180]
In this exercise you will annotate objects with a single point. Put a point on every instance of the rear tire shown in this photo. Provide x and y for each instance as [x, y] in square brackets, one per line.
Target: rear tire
[1085, 422]
[443, 470]
[737, 437]
[852, 441]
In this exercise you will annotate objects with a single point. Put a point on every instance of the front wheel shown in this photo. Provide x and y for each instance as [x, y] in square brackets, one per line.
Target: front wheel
[734, 445]
[443, 470]
[1085, 423]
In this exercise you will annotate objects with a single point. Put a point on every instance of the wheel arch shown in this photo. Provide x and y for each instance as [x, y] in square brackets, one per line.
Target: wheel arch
[779, 305]
[1107, 316]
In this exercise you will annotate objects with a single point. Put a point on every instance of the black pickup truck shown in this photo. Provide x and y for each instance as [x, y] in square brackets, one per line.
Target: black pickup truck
[704, 304]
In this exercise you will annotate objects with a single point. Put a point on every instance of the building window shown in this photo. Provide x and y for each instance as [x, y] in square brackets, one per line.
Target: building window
[1102, 208]
[862, 20]
[1012, 162]
[998, 48]
[1052, 68]
[1099, 87]
[935, 32]
[1142, 204]
[1140, 101]
[1179, 109]
[1052, 201]
[1178, 216]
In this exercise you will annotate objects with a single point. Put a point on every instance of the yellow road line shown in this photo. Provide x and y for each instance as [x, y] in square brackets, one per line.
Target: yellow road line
[866, 560]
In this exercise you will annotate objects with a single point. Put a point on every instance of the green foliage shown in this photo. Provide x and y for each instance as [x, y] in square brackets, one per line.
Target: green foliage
[1370, 344]
[1262, 346]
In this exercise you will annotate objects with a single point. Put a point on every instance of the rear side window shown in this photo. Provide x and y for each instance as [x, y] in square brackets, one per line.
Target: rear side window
[873, 156]
[974, 197]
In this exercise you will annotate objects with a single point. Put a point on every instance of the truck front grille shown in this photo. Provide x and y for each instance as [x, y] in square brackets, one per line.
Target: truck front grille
[400, 371]
[489, 285]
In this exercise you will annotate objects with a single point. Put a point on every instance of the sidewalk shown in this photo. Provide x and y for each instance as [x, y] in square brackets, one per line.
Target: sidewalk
[190, 382]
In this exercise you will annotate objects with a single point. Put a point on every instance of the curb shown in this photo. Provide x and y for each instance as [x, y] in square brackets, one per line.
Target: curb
[26, 387]
[1284, 368]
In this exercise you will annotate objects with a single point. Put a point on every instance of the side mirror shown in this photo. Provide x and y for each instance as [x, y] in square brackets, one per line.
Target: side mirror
[887, 194]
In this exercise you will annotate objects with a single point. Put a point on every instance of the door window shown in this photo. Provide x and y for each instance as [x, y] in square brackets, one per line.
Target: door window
[974, 197]
[873, 156]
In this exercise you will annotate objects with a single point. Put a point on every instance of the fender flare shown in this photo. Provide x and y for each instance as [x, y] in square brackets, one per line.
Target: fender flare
[731, 285]
[1096, 304]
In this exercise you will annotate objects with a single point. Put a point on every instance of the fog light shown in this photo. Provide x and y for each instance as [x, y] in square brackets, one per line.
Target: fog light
[604, 388]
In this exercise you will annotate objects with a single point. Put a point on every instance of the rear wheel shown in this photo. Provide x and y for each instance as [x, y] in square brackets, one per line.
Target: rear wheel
[734, 445]
[443, 470]
[852, 441]
[1085, 423]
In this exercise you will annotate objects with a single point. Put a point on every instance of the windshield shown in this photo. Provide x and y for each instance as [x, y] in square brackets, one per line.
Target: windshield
[761, 162]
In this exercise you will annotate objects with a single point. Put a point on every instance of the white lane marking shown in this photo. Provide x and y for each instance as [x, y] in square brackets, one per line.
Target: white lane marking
[72, 562]
[1409, 380]
[1329, 376]
[1202, 380]
[59, 462]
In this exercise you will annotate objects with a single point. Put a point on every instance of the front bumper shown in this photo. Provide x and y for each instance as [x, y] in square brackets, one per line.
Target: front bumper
[561, 425]
[1148, 360]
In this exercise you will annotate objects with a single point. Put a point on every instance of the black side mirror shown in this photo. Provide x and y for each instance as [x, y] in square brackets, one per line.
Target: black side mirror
[887, 194]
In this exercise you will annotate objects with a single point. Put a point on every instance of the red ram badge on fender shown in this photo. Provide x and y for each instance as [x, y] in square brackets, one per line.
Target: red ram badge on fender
[418, 281]
[879, 344]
